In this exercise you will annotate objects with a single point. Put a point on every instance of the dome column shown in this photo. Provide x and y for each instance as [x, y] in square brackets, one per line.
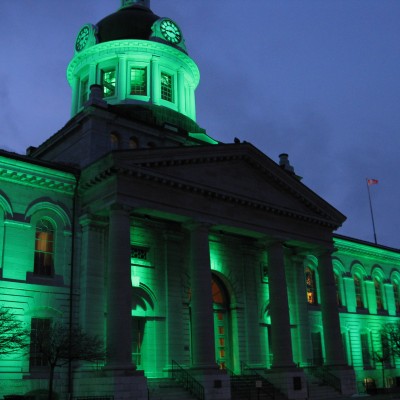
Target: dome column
[122, 78]
[181, 91]
[155, 80]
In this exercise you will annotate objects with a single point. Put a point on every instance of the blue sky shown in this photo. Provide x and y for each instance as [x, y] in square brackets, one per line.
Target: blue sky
[318, 79]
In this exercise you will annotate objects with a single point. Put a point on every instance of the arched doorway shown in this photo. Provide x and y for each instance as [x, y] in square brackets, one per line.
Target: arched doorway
[221, 323]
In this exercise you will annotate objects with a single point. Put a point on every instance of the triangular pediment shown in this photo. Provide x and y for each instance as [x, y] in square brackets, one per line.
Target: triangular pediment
[237, 172]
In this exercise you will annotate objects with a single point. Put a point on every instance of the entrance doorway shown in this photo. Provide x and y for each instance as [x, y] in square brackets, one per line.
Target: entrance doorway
[221, 323]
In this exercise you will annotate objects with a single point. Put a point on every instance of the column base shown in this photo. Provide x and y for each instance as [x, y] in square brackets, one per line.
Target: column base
[121, 384]
[216, 383]
[290, 381]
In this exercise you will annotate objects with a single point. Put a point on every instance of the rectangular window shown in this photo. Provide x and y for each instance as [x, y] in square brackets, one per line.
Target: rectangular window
[44, 249]
[366, 354]
[387, 356]
[84, 92]
[140, 253]
[108, 80]
[166, 87]
[38, 327]
[139, 81]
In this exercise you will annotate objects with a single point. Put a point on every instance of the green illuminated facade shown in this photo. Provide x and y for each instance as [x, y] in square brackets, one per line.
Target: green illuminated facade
[170, 245]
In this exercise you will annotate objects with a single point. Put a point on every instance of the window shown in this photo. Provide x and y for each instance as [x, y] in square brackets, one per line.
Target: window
[114, 141]
[140, 253]
[311, 286]
[139, 81]
[84, 92]
[44, 249]
[38, 327]
[387, 357]
[366, 354]
[396, 296]
[378, 294]
[166, 87]
[108, 80]
[338, 297]
[358, 292]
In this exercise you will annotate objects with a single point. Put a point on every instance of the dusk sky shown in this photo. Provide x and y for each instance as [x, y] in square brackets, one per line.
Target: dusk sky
[317, 79]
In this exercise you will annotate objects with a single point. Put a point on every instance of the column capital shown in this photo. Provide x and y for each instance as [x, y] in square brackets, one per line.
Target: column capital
[324, 251]
[197, 225]
[93, 220]
[120, 207]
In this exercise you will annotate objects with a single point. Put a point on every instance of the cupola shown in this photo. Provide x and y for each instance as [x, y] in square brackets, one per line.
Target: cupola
[139, 58]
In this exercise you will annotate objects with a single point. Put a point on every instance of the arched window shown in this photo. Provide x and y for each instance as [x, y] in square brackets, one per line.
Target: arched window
[114, 141]
[338, 296]
[44, 248]
[358, 291]
[378, 294]
[396, 295]
[311, 286]
[133, 143]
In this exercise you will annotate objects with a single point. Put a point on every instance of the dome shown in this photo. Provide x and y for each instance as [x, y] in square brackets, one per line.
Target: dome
[132, 22]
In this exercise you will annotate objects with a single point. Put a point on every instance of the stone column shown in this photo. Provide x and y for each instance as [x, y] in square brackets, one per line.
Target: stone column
[155, 81]
[202, 318]
[279, 308]
[119, 296]
[303, 324]
[173, 279]
[91, 279]
[330, 314]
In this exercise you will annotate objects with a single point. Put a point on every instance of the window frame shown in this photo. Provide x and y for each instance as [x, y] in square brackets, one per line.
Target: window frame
[40, 269]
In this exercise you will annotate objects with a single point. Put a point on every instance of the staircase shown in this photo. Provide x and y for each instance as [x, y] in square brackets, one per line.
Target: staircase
[167, 389]
[318, 390]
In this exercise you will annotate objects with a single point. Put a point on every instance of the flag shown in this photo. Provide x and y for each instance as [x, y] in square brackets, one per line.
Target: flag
[372, 181]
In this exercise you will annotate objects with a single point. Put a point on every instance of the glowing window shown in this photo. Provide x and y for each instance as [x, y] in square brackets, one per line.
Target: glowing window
[83, 92]
[378, 294]
[108, 80]
[358, 292]
[221, 330]
[311, 286]
[138, 81]
[114, 141]
[133, 143]
[44, 251]
[166, 87]
[39, 326]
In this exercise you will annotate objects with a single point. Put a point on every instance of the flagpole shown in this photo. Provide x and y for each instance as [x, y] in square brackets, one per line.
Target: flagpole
[372, 214]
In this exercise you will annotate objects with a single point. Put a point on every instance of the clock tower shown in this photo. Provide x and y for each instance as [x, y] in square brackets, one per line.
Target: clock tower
[141, 62]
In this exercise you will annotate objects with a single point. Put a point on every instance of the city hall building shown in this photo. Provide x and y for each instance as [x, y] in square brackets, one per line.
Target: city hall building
[177, 249]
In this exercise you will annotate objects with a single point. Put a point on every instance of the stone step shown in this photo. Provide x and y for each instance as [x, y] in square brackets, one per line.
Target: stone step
[167, 389]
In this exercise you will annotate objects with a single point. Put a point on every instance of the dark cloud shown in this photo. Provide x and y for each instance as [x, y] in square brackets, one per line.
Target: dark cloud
[318, 80]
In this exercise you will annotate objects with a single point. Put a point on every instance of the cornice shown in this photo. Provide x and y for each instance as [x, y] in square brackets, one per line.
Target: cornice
[363, 250]
[24, 173]
[141, 171]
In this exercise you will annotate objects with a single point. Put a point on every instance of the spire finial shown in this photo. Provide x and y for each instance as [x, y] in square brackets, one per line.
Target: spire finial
[128, 3]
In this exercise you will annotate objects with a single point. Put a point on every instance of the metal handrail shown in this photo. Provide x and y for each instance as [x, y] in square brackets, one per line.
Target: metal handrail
[326, 376]
[267, 387]
[187, 381]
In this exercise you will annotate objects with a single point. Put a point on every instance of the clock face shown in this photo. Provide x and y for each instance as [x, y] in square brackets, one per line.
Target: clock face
[82, 38]
[170, 31]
